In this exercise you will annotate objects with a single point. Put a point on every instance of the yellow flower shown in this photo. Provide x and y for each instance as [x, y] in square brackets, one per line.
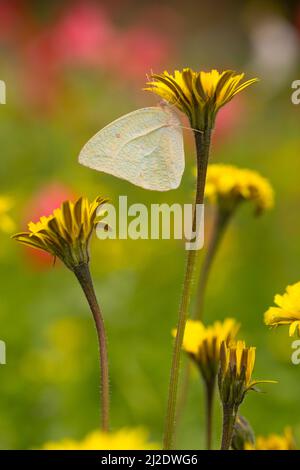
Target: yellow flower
[227, 185]
[274, 442]
[235, 373]
[198, 94]
[57, 360]
[124, 439]
[7, 224]
[288, 310]
[203, 343]
[65, 233]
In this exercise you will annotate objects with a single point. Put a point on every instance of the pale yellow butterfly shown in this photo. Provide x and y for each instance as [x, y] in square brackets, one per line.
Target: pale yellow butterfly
[144, 147]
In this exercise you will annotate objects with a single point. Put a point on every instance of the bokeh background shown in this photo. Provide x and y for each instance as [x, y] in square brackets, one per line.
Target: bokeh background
[71, 67]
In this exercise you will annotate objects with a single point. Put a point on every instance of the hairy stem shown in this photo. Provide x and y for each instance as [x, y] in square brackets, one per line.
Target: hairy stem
[202, 141]
[183, 395]
[221, 220]
[209, 396]
[229, 417]
[83, 275]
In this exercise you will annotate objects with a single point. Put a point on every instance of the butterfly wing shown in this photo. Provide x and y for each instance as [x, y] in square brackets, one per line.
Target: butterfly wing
[144, 147]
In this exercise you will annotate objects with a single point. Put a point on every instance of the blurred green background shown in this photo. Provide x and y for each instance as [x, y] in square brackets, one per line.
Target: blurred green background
[70, 68]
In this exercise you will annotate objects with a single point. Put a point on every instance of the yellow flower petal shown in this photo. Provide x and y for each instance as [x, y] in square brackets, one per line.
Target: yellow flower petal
[293, 327]
[198, 94]
[288, 310]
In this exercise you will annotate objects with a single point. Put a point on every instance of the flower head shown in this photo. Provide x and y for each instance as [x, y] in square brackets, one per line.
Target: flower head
[288, 310]
[48, 197]
[198, 94]
[285, 441]
[66, 232]
[124, 439]
[227, 186]
[203, 344]
[235, 373]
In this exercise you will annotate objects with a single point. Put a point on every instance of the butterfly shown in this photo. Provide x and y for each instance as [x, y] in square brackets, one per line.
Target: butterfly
[144, 147]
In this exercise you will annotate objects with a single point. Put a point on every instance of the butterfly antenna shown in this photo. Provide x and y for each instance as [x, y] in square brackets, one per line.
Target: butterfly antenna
[191, 129]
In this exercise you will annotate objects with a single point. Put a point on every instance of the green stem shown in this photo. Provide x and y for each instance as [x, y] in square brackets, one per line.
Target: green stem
[221, 220]
[83, 275]
[183, 395]
[209, 396]
[229, 417]
[219, 225]
[202, 141]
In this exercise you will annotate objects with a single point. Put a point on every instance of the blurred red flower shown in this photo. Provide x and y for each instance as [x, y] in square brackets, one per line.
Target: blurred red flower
[140, 50]
[80, 36]
[40, 68]
[83, 35]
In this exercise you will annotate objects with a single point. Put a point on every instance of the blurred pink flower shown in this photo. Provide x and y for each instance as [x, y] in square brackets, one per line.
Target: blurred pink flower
[140, 50]
[83, 35]
[42, 203]
[40, 68]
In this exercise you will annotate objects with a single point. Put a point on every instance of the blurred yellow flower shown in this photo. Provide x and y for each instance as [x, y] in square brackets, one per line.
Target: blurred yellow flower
[227, 185]
[203, 343]
[124, 439]
[7, 225]
[288, 310]
[198, 94]
[65, 233]
[274, 442]
[57, 360]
